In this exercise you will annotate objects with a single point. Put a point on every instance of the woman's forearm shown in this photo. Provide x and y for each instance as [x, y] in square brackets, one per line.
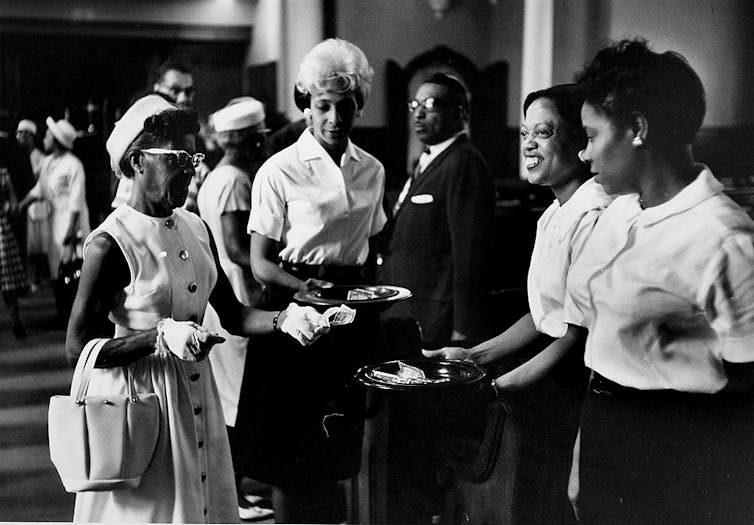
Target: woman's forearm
[516, 338]
[539, 367]
[260, 322]
[73, 228]
[118, 351]
[269, 273]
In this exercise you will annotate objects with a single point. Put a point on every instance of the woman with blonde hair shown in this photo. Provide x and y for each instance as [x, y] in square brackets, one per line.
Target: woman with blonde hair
[315, 205]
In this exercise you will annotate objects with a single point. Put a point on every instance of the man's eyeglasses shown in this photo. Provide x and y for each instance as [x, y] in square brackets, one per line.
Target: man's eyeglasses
[177, 90]
[428, 104]
[177, 157]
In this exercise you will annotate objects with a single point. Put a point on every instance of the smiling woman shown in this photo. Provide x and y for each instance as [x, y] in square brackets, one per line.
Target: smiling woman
[551, 137]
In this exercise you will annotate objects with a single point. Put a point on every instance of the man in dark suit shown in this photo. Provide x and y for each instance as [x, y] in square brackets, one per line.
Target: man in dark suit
[440, 240]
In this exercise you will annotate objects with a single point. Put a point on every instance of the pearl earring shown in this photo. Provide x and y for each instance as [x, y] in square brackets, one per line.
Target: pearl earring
[637, 141]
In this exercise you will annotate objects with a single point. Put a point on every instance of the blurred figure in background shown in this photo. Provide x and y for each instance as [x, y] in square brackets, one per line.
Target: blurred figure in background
[26, 136]
[12, 275]
[38, 213]
[62, 186]
[224, 203]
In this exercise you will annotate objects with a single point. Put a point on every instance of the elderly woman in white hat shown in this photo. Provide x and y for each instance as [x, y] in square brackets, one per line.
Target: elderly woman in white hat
[315, 206]
[151, 268]
[224, 202]
[62, 185]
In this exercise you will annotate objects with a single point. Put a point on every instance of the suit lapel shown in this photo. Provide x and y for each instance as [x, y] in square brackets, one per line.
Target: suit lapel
[424, 176]
[434, 165]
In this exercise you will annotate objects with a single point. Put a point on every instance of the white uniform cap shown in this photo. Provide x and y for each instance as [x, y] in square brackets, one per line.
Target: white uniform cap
[245, 113]
[131, 124]
[27, 125]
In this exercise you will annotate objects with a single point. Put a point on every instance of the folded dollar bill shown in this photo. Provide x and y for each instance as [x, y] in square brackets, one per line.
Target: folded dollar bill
[361, 294]
[340, 315]
[406, 375]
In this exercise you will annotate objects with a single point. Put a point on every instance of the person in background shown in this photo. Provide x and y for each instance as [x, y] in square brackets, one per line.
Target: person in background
[224, 202]
[440, 243]
[290, 132]
[551, 140]
[152, 268]
[665, 284]
[12, 274]
[175, 81]
[62, 186]
[315, 206]
[37, 220]
[26, 135]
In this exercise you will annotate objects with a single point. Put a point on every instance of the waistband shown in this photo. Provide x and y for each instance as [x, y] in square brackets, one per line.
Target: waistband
[602, 386]
[332, 273]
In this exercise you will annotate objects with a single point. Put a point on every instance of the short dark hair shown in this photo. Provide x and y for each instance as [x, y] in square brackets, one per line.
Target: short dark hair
[457, 94]
[162, 127]
[568, 101]
[628, 77]
[170, 65]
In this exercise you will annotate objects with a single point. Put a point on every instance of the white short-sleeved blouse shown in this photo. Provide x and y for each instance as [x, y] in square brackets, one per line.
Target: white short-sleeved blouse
[669, 290]
[561, 232]
[321, 212]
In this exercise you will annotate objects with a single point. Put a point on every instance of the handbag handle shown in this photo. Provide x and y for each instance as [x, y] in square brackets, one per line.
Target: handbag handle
[83, 372]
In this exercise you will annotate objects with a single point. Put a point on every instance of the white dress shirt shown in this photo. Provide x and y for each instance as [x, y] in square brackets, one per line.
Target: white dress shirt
[670, 290]
[321, 213]
[561, 233]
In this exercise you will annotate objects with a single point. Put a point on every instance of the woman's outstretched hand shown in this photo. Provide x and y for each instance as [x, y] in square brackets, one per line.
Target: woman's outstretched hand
[449, 352]
[316, 283]
[303, 323]
[186, 340]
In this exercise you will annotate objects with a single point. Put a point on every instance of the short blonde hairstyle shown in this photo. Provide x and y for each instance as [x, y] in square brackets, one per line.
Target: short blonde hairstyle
[335, 65]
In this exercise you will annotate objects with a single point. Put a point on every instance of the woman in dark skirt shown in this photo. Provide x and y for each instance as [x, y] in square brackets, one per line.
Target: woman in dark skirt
[666, 283]
[12, 274]
[315, 205]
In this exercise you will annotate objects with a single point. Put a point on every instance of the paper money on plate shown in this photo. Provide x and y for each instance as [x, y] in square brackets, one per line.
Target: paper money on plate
[340, 315]
[360, 294]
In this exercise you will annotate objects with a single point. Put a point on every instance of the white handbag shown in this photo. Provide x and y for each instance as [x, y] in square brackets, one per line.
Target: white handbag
[101, 443]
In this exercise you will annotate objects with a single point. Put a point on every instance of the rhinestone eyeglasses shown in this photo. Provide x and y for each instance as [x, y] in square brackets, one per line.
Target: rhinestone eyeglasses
[177, 157]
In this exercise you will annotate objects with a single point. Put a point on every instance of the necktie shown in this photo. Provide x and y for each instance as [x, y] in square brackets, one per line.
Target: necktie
[407, 186]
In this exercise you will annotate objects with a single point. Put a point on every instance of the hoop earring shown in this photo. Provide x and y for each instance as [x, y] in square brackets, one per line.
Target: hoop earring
[637, 141]
[582, 155]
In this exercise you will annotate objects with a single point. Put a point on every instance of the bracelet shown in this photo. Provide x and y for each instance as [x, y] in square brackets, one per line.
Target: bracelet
[275, 321]
[493, 383]
[159, 347]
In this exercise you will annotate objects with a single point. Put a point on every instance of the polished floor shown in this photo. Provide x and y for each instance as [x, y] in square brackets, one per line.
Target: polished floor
[31, 370]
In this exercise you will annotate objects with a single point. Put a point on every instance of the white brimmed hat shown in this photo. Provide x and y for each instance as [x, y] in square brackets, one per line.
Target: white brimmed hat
[131, 124]
[27, 125]
[242, 113]
[63, 131]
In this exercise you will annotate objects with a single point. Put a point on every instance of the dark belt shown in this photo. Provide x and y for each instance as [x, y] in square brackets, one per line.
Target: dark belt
[332, 273]
[602, 386]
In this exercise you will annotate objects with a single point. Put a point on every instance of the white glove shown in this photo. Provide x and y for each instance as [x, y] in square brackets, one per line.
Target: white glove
[304, 324]
[187, 340]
